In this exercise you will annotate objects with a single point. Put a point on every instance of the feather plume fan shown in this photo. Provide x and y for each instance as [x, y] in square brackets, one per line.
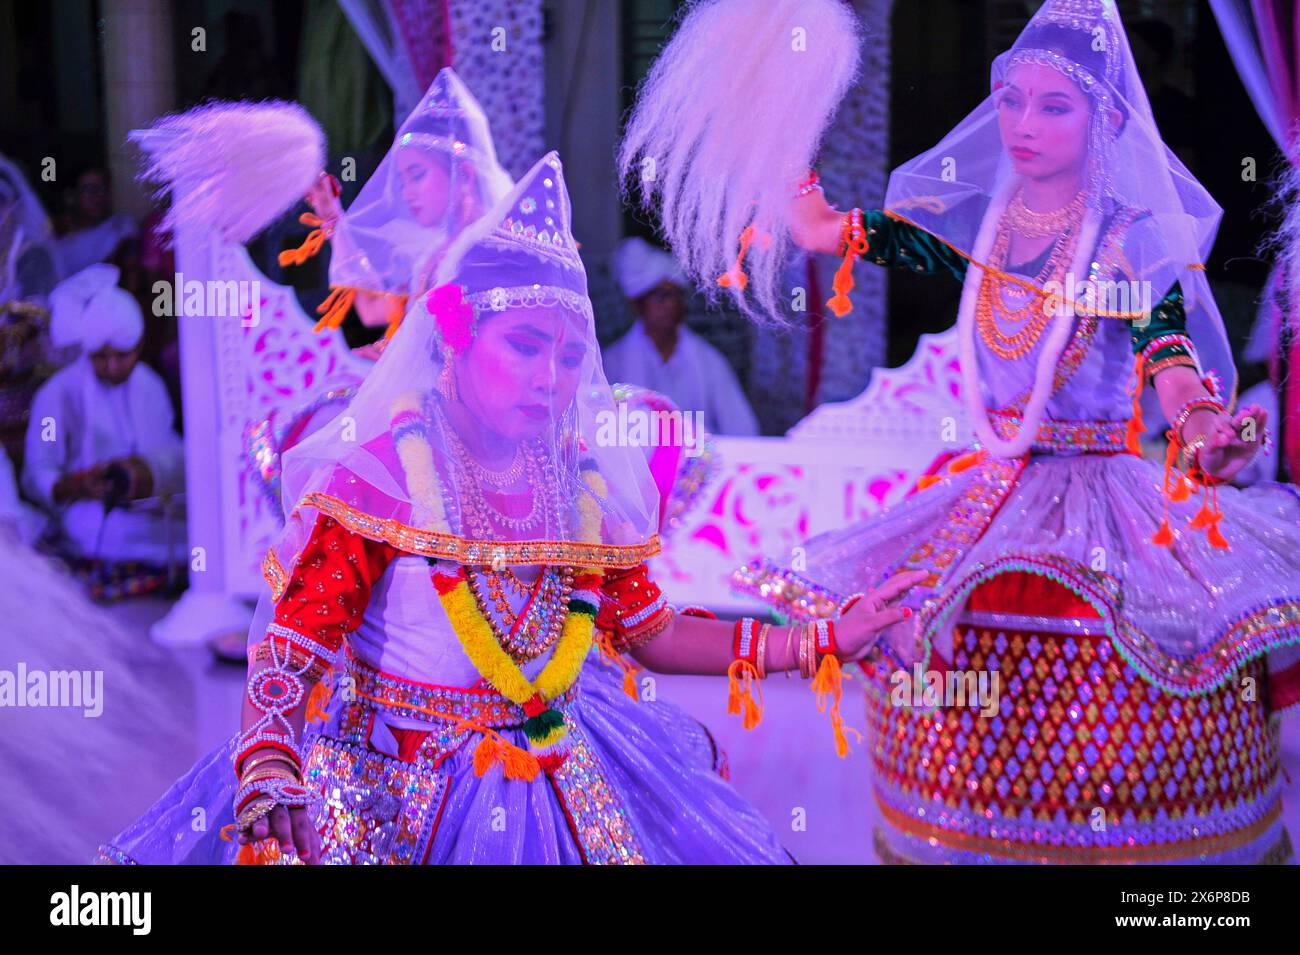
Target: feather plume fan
[727, 123]
[232, 167]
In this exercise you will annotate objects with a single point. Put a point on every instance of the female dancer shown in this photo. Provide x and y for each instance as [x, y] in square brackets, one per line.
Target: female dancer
[442, 571]
[1141, 646]
[440, 175]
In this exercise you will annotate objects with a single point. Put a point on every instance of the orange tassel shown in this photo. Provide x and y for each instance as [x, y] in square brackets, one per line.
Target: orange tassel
[740, 693]
[828, 684]
[611, 657]
[1180, 490]
[519, 764]
[1136, 426]
[310, 246]
[486, 754]
[736, 276]
[395, 312]
[1213, 534]
[1205, 517]
[1165, 535]
[1216, 538]
[319, 699]
[335, 308]
[265, 852]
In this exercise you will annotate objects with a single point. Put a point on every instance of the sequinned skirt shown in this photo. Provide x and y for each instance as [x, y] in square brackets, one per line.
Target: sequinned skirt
[642, 785]
[1070, 757]
[1140, 684]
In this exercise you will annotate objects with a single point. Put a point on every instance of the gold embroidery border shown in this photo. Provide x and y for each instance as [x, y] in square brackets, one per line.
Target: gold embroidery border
[459, 549]
[1076, 854]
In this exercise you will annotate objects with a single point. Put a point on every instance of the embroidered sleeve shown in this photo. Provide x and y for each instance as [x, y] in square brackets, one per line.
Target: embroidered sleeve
[327, 591]
[632, 608]
[902, 245]
[1162, 341]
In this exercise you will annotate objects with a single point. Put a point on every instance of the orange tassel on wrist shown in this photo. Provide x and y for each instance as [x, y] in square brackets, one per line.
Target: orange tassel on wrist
[742, 683]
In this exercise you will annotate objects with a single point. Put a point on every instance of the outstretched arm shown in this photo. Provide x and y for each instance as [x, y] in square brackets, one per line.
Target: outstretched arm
[705, 646]
[1221, 443]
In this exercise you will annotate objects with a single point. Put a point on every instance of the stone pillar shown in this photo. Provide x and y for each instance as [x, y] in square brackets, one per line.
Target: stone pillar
[139, 86]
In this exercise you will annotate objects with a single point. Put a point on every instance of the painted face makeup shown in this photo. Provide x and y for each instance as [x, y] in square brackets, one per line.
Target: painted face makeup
[1043, 118]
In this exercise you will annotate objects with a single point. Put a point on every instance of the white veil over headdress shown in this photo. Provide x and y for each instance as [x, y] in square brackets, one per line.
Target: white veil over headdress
[380, 244]
[959, 189]
[502, 353]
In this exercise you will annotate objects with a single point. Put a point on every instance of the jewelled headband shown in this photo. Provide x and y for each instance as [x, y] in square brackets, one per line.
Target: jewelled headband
[457, 315]
[1081, 75]
[446, 144]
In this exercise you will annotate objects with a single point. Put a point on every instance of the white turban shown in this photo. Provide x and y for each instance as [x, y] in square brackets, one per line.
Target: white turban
[640, 267]
[88, 309]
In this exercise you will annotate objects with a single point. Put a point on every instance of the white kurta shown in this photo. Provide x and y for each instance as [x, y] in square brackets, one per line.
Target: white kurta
[93, 423]
[696, 378]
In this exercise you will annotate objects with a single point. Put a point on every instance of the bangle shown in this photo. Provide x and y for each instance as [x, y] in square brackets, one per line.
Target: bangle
[257, 741]
[824, 635]
[276, 758]
[1189, 452]
[853, 237]
[787, 662]
[760, 654]
[284, 792]
[1186, 411]
[807, 652]
[743, 641]
[1173, 361]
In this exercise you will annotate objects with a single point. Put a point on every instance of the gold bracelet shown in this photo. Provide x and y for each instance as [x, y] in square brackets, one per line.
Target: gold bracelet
[267, 774]
[787, 661]
[807, 653]
[761, 652]
[249, 766]
[1189, 451]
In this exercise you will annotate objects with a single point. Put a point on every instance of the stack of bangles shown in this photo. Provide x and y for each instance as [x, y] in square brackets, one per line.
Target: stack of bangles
[816, 639]
[270, 774]
[1188, 450]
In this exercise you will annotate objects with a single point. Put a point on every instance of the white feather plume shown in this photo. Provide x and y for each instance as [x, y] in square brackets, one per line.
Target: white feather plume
[727, 123]
[233, 167]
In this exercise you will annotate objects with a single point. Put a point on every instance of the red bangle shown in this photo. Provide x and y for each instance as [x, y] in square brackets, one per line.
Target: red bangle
[744, 642]
[825, 636]
[265, 744]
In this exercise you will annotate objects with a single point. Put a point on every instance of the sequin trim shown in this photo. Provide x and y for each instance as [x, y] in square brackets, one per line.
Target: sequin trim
[597, 818]
[474, 552]
[373, 810]
[111, 855]
[1096, 437]
[274, 574]
[440, 704]
[1255, 634]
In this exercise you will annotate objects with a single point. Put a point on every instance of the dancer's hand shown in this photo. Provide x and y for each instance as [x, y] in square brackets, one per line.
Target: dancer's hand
[1233, 442]
[323, 197]
[815, 223]
[289, 826]
[858, 630]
